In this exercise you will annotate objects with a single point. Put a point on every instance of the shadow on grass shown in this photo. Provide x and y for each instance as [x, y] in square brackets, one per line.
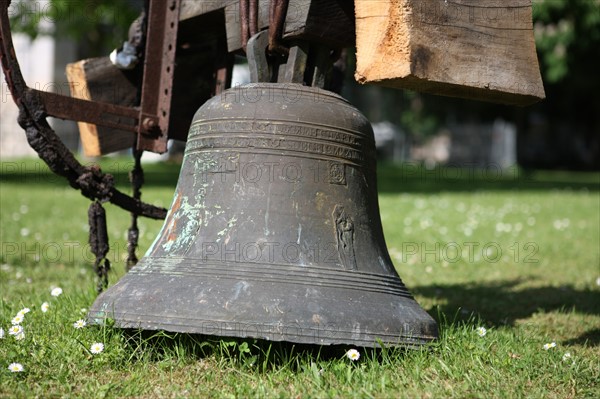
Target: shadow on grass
[590, 338]
[392, 178]
[258, 354]
[502, 303]
[408, 178]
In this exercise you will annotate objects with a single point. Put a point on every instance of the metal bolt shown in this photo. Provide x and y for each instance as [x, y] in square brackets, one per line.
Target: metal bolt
[148, 124]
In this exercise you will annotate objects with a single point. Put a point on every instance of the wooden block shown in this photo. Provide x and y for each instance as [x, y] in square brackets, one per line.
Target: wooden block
[475, 49]
[97, 79]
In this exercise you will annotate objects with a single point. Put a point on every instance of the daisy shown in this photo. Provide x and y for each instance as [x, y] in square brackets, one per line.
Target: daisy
[15, 330]
[566, 356]
[18, 319]
[79, 324]
[97, 348]
[56, 291]
[45, 307]
[550, 345]
[15, 367]
[1, 333]
[24, 311]
[481, 331]
[353, 355]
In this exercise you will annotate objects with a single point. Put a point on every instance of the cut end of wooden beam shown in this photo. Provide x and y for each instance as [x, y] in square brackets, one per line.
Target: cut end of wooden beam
[88, 133]
[483, 52]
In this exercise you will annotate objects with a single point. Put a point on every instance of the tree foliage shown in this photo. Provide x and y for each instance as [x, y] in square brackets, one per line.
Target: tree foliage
[567, 32]
[567, 36]
[102, 24]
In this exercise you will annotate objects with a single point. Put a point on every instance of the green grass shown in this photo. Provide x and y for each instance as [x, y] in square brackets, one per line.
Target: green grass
[517, 253]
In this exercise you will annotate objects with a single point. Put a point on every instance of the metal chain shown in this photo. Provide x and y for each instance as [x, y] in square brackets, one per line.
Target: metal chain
[136, 177]
[93, 184]
[99, 243]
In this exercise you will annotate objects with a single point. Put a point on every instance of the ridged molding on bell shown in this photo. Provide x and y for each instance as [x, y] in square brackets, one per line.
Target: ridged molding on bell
[274, 231]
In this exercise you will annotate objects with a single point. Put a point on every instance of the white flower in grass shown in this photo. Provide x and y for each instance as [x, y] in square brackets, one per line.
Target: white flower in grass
[97, 348]
[15, 367]
[550, 345]
[15, 330]
[18, 319]
[24, 311]
[83, 310]
[45, 306]
[353, 355]
[79, 324]
[57, 291]
[481, 331]
[1, 333]
[20, 336]
[566, 356]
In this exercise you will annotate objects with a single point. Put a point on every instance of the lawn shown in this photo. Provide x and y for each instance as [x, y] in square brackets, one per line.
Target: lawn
[515, 252]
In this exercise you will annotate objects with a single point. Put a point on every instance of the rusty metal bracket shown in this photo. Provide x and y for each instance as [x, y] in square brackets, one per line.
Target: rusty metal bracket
[35, 106]
[150, 121]
[159, 65]
[277, 12]
[88, 111]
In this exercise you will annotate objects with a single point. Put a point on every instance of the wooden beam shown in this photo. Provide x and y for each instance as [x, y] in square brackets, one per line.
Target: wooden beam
[97, 79]
[476, 49]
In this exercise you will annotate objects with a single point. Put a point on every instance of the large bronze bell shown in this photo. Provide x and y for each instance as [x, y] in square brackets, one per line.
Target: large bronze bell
[274, 231]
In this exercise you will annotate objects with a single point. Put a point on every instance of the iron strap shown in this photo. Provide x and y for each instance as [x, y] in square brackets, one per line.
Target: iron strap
[32, 117]
[159, 66]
